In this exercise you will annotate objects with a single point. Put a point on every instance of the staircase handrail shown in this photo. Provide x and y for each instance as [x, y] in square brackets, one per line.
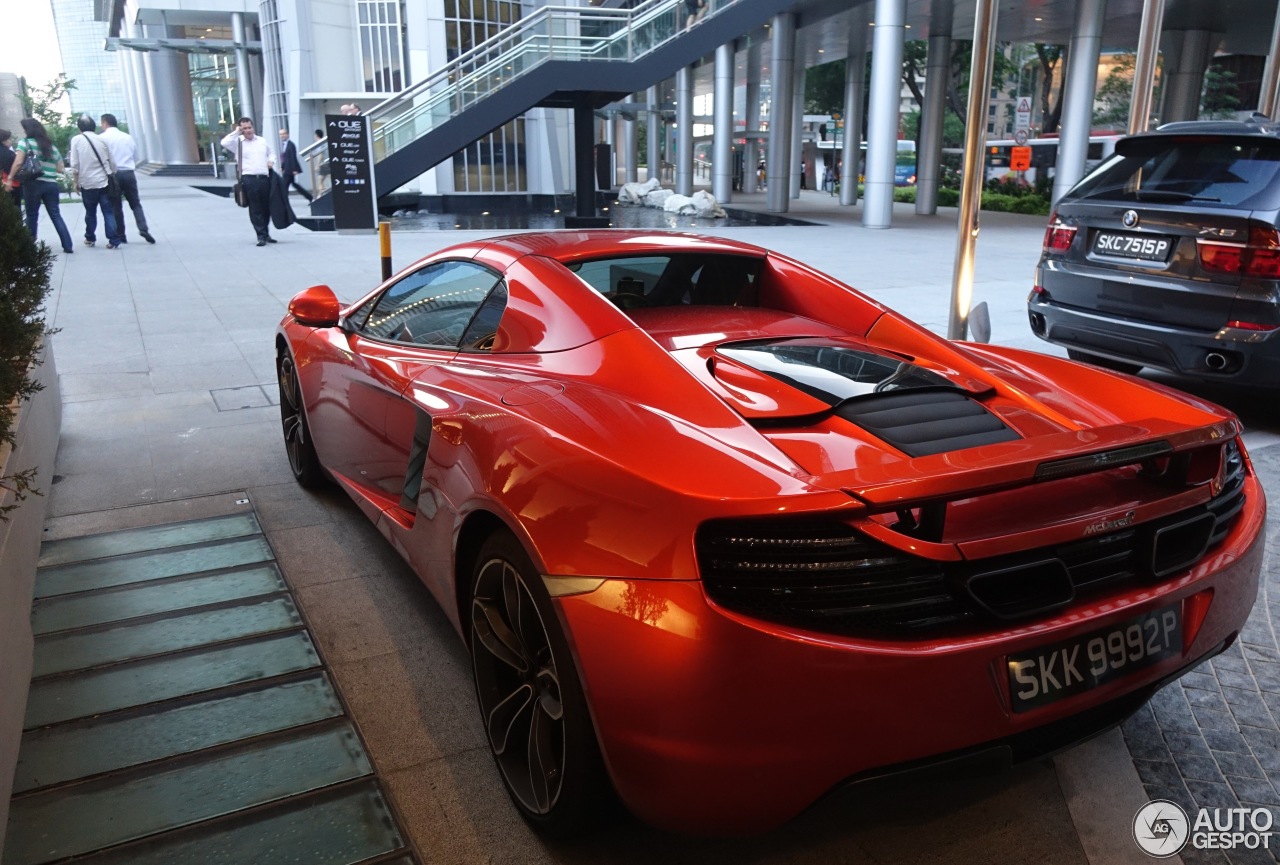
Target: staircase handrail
[647, 11]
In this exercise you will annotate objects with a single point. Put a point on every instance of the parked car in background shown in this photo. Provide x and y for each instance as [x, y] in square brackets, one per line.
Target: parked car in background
[722, 534]
[1168, 256]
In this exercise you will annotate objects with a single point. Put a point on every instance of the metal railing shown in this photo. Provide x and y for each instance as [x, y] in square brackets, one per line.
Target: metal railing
[549, 33]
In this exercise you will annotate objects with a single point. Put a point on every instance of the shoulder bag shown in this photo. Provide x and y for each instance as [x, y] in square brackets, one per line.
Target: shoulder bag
[113, 182]
[237, 191]
[31, 167]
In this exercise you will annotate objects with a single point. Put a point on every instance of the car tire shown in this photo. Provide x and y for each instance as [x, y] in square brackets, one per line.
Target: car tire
[532, 705]
[303, 460]
[1104, 362]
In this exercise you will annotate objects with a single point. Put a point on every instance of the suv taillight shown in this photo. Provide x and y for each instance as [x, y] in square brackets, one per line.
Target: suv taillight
[1058, 236]
[1260, 257]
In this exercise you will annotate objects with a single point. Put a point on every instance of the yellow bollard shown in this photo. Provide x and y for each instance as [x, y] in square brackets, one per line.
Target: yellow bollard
[384, 241]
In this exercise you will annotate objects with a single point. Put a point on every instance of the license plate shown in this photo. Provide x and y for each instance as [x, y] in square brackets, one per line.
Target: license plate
[1048, 673]
[1144, 247]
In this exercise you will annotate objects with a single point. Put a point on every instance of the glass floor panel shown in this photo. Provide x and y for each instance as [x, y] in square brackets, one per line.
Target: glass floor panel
[140, 567]
[64, 612]
[180, 712]
[80, 650]
[339, 827]
[80, 695]
[120, 543]
[97, 814]
[78, 750]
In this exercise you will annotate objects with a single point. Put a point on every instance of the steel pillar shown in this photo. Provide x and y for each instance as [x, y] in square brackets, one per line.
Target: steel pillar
[722, 135]
[855, 79]
[1144, 65]
[882, 120]
[778, 166]
[684, 128]
[1077, 98]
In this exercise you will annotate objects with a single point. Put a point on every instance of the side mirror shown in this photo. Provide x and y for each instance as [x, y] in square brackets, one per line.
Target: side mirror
[317, 306]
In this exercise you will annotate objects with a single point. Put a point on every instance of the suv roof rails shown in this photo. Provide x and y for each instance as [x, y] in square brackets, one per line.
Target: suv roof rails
[1257, 123]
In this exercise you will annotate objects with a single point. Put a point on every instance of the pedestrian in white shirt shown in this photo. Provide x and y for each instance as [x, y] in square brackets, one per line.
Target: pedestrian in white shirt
[255, 159]
[91, 166]
[125, 155]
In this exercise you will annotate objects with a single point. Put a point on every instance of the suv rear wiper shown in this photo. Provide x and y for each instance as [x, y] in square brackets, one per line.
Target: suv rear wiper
[1169, 195]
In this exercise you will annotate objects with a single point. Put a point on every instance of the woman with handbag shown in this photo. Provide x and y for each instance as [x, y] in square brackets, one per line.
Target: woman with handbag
[95, 176]
[37, 151]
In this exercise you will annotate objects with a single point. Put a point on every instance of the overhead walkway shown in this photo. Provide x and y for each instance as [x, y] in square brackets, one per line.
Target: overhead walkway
[555, 57]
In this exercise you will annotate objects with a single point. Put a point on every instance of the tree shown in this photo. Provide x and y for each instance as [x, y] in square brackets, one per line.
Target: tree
[824, 88]
[1115, 95]
[24, 283]
[42, 104]
[1220, 97]
[1050, 57]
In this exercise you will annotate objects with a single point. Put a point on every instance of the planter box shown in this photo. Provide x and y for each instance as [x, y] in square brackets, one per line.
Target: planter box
[36, 445]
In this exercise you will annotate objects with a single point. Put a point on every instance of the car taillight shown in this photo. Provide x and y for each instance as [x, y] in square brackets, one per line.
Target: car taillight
[1260, 257]
[1058, 236]
[1251, 325]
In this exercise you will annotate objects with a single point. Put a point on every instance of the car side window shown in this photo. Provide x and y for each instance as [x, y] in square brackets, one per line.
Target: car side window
[432, 305]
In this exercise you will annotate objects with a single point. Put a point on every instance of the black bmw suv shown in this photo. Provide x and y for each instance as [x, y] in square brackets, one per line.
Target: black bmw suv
[1167, 255]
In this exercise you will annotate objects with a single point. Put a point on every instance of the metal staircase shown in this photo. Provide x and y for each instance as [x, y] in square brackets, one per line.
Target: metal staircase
[555, 57]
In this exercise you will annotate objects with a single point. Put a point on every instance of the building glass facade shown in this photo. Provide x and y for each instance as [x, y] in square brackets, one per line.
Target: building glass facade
[99, 87]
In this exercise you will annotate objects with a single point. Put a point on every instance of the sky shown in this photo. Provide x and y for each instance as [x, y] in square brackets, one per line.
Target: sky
[34, 53]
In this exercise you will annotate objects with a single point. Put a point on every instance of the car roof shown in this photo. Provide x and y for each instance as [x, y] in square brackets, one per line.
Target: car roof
[1258, 124]
[569, 245]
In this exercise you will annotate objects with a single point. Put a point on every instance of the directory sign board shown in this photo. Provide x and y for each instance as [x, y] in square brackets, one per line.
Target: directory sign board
[355, 199]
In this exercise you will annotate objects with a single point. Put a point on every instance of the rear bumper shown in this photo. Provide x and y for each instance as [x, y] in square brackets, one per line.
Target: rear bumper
[1184, 351]
[714, 723]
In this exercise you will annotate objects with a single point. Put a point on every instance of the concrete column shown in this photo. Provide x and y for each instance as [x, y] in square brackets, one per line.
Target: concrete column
[140, 124]
[1144, 66]
[684, 128]
[653, 134]
[171, 101]
[1185, 80]
[1269, 93]
[855, 74]
[882, 121]
[630, 156]
[933, 113]
[797, 130]
[751, 153]
[244, 75]
[611, 139]
[777, 167]
[1077, 105]
[722, 129]
[584, 171]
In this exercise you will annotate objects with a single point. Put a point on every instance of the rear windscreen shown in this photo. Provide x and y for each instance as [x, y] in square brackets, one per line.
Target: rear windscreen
[1241, 172]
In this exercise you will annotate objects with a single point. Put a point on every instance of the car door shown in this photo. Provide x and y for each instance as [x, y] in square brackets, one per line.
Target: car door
[415, 324]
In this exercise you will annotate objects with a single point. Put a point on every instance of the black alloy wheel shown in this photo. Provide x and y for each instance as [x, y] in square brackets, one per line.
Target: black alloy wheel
[531, 703]
[303, 460]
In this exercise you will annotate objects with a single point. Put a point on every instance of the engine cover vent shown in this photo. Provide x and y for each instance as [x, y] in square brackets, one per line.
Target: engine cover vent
[923, 422]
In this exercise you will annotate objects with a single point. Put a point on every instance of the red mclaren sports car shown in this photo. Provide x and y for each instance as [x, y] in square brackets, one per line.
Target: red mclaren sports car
[723, 534]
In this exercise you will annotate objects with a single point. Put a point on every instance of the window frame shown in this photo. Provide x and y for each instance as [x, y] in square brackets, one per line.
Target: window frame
[366, 309]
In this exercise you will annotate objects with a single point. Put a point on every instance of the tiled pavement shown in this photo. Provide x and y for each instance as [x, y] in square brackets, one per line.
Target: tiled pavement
[1212, 739]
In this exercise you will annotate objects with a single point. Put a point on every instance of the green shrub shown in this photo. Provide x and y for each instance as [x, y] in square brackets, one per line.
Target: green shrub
[905, 194]
[24, 284]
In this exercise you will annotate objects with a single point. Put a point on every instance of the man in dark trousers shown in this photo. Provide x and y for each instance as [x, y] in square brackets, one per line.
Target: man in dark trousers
[254, 161]
[290, 167]
[124, 153]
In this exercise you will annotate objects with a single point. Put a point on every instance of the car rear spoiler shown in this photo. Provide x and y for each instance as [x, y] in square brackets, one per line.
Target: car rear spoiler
[995, 467]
